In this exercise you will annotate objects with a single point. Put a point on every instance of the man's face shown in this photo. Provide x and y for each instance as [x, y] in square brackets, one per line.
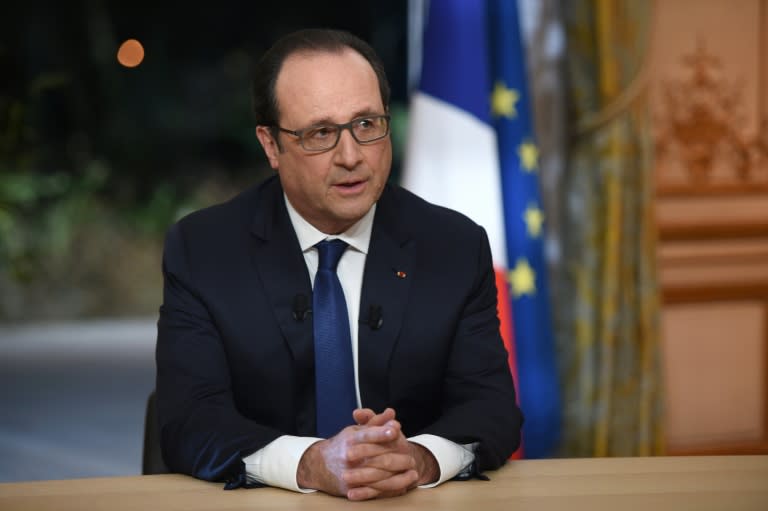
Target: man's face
[335, 188]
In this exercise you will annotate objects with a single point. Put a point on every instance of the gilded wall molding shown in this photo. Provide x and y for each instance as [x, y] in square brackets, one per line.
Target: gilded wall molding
[702, 146]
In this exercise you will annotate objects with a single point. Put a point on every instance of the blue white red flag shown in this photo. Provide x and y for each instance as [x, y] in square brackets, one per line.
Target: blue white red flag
[471, 148]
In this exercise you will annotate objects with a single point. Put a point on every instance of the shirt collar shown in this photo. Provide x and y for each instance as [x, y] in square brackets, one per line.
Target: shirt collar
[358, 236]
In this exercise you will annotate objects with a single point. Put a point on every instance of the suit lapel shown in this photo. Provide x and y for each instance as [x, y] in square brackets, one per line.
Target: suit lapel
[386, 282]
[283, 273]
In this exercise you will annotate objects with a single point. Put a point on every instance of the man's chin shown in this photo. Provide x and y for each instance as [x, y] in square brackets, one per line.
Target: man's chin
[349, 216]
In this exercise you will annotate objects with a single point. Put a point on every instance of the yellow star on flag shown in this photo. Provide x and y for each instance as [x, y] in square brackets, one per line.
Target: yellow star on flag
[522, 278]
[503, 101]
[534, 218]
[529, 156]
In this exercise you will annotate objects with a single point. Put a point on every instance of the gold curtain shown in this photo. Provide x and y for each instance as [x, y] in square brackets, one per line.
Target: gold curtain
[607, 315]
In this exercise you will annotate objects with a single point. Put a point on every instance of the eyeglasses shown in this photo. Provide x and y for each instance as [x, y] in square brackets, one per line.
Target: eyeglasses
[323, 137]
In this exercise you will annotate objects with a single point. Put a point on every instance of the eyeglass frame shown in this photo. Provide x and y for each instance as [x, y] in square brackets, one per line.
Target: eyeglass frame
[340, 127]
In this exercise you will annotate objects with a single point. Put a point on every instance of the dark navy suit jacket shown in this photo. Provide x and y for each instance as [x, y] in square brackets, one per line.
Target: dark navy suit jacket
[235, 368]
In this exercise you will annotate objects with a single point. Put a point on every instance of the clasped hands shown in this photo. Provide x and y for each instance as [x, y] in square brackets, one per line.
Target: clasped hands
[371, 459]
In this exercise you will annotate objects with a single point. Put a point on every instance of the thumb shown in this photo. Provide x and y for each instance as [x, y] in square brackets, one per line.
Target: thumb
[361, 416]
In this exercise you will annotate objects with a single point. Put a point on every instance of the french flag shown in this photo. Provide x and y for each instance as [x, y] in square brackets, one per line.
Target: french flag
[470, 148]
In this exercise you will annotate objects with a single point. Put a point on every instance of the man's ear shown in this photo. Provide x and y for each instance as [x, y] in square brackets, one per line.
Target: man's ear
[269, 144]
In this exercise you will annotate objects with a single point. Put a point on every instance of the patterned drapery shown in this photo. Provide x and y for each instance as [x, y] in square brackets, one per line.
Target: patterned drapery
[607, 303]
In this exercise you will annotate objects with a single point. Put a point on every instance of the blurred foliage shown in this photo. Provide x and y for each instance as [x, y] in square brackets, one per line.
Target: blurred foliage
[59, 222]
[39, 215]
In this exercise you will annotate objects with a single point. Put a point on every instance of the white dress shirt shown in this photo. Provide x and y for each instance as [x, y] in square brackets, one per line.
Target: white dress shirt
[276, 463]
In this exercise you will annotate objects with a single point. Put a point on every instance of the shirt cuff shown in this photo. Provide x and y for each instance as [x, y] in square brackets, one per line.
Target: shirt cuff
[276, 463]
[451, 457]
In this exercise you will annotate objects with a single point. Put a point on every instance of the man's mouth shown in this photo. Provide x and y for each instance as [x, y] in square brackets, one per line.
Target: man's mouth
[350, 187]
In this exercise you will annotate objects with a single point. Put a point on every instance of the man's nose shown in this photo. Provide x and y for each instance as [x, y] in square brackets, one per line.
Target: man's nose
[348, 151]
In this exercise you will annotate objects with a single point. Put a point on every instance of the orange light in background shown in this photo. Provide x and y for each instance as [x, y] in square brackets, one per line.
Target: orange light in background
[131, 53]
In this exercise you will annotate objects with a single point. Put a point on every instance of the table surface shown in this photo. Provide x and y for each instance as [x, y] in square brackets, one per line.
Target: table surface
[676, 483]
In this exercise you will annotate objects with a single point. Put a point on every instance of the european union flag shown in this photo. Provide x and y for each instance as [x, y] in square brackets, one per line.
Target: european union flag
[523, 220]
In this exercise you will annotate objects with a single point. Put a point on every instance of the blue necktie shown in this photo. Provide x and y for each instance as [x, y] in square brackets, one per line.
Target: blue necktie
[334, 369]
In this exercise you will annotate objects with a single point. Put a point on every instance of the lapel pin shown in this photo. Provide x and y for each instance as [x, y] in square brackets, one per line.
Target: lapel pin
[400, 274]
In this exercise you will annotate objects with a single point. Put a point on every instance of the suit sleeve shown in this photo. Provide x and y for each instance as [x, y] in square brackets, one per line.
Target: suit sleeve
[479, 403]
[202, 432]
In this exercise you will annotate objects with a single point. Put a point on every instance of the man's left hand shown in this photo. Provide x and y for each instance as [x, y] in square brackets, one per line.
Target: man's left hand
[386, 469]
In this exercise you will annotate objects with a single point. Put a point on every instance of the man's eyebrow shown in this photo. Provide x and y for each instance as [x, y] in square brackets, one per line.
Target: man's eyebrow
[360, 113]
[319, 120]
[365, 113]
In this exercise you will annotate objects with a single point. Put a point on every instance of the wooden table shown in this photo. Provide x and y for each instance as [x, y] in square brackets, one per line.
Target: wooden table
[669, 483]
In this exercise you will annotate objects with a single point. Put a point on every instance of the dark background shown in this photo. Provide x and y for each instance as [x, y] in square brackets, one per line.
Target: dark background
[97, 160]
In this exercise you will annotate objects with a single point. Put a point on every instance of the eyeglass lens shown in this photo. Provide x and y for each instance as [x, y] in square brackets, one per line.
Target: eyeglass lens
[366, 129]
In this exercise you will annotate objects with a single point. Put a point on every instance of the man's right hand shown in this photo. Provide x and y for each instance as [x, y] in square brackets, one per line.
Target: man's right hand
[387, 469]
[323, 465]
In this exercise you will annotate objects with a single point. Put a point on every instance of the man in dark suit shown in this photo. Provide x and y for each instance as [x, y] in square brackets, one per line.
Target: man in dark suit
[248, 386]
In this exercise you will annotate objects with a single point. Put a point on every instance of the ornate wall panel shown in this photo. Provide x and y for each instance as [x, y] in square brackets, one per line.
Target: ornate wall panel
[709, 93]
